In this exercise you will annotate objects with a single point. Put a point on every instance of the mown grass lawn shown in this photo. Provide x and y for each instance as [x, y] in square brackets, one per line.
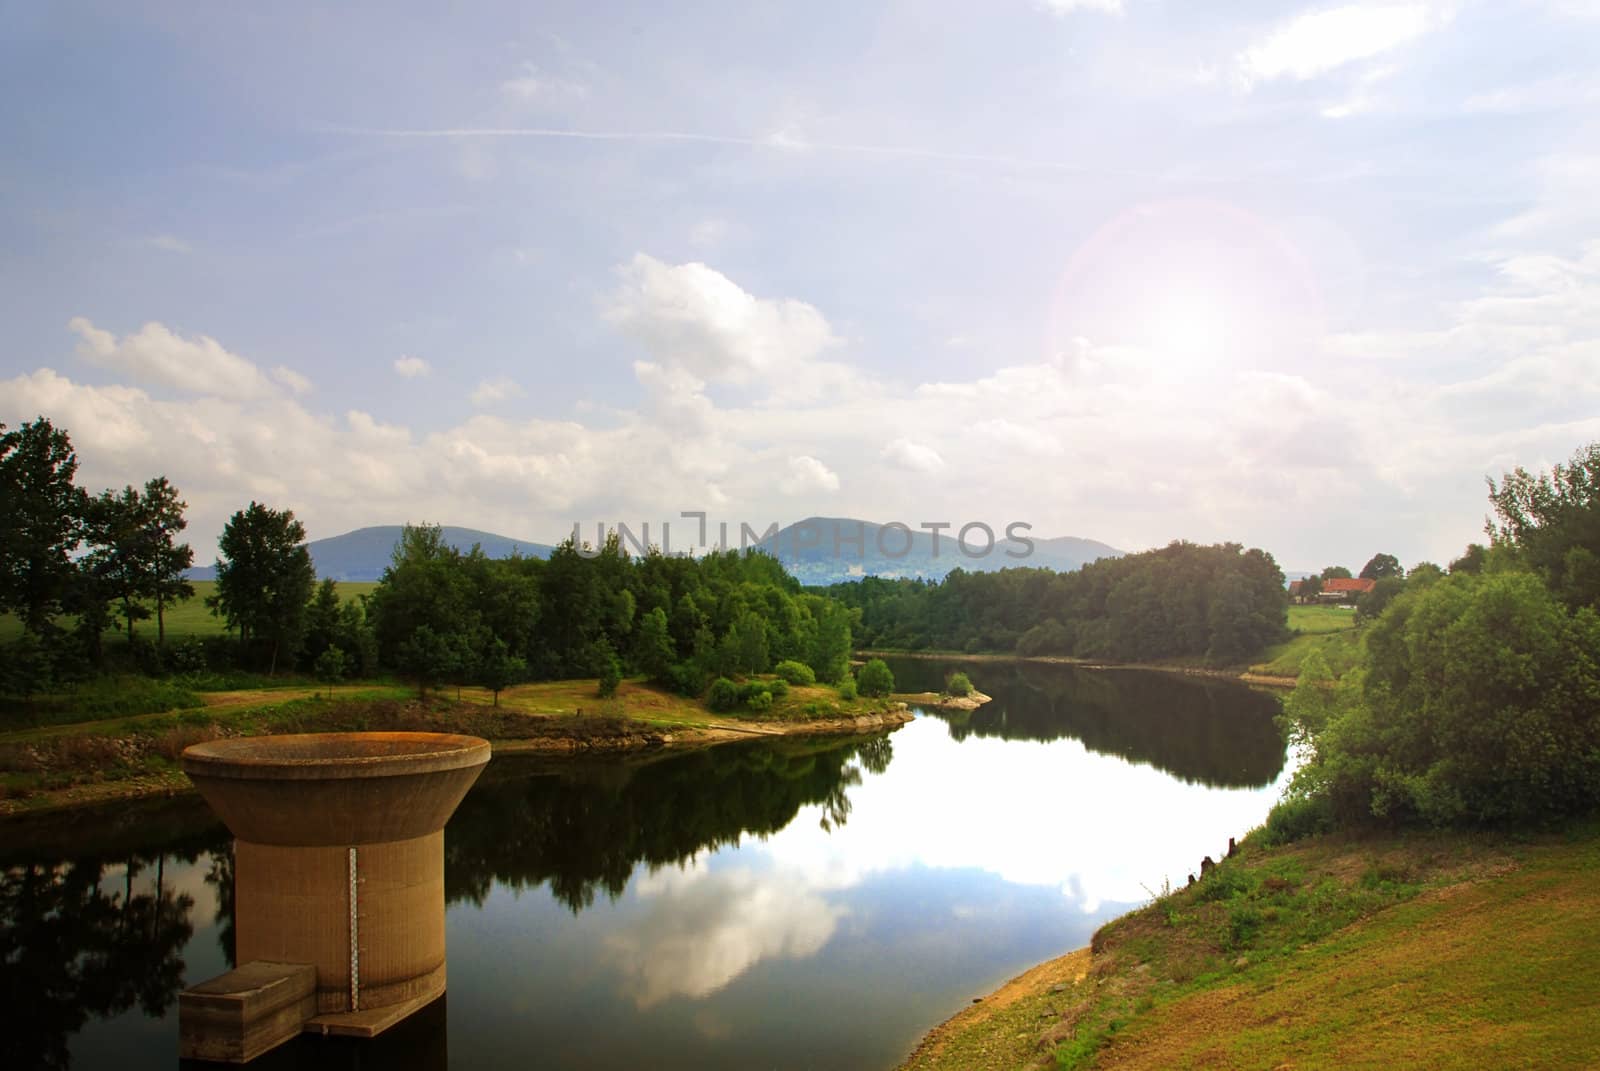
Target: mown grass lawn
[1326, 629]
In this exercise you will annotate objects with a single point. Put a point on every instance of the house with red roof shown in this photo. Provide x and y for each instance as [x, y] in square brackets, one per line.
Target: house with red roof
[1345, 589]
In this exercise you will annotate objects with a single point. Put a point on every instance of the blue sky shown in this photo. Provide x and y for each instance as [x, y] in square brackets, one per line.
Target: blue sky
[1296, 276]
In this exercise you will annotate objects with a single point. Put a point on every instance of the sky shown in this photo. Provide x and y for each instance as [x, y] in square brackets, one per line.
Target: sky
[1295, 276]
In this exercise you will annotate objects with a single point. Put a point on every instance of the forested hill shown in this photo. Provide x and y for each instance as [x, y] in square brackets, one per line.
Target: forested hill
[364, 553]
[826, 550]
[1221, 602]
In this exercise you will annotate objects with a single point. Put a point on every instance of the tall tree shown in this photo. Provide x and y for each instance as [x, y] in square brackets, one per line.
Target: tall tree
[119, 557]
[41, 514]
[1553, 522]
[264, 579]
[1383, 566]
[163, 520]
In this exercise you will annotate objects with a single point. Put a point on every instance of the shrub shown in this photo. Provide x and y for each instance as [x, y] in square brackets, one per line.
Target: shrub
[795, 672]
[958, 683]
[750, 689]
[610, 677]
[847, 688]
[686, 678]
[761, 702]
[1298, 817]
[723, 695]
[778, 688]
[187, 656]
[875, 679]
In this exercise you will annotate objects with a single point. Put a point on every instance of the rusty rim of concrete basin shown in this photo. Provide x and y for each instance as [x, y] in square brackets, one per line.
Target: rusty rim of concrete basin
[334, 756]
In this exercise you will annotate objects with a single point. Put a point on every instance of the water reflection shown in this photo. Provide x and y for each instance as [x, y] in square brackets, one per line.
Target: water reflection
[776, 904]
[86, 939]
[1202, 730]
[585, 828]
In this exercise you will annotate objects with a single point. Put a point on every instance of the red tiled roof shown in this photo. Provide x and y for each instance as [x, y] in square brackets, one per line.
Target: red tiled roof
[1355, 585]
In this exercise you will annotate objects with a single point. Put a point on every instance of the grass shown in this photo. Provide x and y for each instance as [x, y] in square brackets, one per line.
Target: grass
[1443, 950]
[1326, 629]
[185, 619]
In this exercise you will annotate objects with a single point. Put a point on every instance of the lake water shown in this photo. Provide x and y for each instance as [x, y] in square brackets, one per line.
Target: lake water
[804, 904]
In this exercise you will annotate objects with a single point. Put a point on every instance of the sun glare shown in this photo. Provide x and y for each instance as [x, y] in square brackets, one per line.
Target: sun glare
[1189, 328]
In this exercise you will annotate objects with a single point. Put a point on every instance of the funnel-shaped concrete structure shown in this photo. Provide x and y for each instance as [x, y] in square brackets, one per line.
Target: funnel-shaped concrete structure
[338, 865]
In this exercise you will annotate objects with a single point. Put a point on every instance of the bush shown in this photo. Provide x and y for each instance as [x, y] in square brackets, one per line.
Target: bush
[686, 678]
[958, 684]
[187, 656]
[761, 702]
[795, 672]
[875, 679]
[723, 695]
[610, 677]
[750, 689]
[778, 688]
[1296, 818]
[847, 688]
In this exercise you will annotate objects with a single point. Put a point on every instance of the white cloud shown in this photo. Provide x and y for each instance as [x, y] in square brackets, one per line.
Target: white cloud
[291, 379]
[913, 456]
[169, 243]
[809, 476]
[1317, 42]
[1064, 7]
[533, 86]
[411, 367]
[156, 354]
[694, 317]
[703, 928]
[494, 391]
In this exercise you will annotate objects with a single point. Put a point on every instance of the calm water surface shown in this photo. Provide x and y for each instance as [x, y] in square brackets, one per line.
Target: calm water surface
[790, 905]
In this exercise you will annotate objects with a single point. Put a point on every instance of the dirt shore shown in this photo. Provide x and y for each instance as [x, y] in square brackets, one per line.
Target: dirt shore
[1241, 675]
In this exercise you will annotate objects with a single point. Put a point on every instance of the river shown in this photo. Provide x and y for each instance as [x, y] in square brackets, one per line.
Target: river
[800, 904]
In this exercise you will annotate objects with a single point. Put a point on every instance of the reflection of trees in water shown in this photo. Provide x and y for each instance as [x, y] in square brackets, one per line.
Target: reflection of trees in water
[220, 876]
[584, 830]
[70, 950]
[1212, 732]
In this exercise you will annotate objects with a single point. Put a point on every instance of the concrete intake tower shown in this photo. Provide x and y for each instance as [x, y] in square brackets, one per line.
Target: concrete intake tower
[338, 883]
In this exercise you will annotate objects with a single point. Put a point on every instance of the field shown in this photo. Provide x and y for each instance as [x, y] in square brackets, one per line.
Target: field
[1328, 629]
[188, 618]
[1440, 950]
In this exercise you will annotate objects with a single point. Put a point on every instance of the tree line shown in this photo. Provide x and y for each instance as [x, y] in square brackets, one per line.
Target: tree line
[71, 563]
[1222, 602]
[64, 551]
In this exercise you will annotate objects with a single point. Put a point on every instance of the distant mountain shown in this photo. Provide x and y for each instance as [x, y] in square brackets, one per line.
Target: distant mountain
[826, 550]
[365, 553]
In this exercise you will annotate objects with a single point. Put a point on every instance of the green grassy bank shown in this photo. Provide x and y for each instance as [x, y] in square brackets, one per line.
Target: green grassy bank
[1439, 950]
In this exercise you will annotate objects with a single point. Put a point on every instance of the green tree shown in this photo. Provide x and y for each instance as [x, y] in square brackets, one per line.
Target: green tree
[1381, 566]
[748, 641]
[610, 674]
[1372, 605]
[875, 679]
[1311, 587]
[1336, 572]
[264, 579]
[499, 669]
[330, 667]
[428, 658]
[653, 650]
[1472, 561]
[41, 514]
[1553, 522]
[167, 559]
[1478, 702]
[120, 558]
[322, 621]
